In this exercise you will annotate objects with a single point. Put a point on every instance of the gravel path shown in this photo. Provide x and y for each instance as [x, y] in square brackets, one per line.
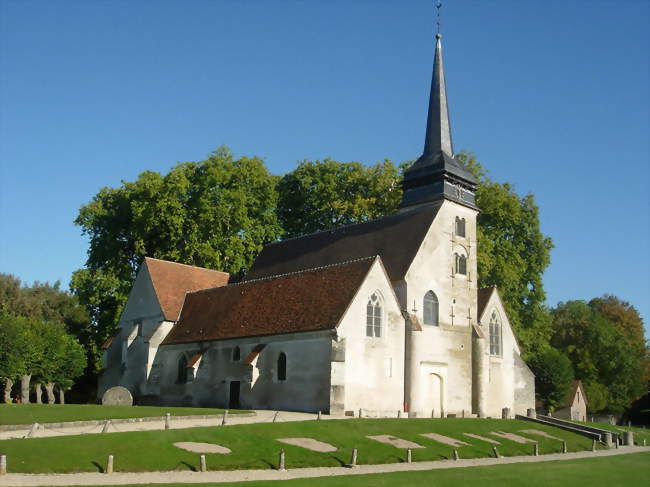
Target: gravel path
[261, 416]
[15, 480]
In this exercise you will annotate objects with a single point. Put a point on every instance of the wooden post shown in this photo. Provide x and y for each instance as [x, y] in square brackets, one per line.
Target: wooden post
[275, 416]
[281, 462]
[106, 425]
[433, 413]
[109, 464]
[536, 450]
[409, 455]
[456, 457]
[33, 430]
[204, 467]
[319, 416]
[224, 420]
[3, 464]
[353, 460]
[496, 452]
[399, 414]
[168, 421]
[564, 447]
[360, 413]
[593, 444]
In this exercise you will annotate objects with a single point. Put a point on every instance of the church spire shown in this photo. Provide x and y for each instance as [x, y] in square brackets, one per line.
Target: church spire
[438, 137]
[437, 174]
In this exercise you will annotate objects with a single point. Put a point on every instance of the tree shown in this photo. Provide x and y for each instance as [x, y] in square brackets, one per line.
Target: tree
[10, 366]
[216, 213]
[318, 195]
[599, 353]
[553, 376]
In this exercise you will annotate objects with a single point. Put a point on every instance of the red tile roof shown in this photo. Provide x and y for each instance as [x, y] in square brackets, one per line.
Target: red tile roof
[171, 281]
[303, 301]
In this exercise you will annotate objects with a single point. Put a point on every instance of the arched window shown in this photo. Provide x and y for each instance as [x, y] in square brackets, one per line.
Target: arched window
[373, 316]
[182, 369]
[282, 366]
[460, 227]
[236, 354]
[430, 309]
[495, 334]
[461, 264]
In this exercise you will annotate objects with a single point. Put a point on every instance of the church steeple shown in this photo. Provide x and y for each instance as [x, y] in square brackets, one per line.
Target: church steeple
[437, 174]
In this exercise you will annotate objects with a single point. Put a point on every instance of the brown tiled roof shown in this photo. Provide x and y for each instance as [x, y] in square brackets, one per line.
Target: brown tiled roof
[484, 295]
[110, 339]
[171, 281]
[395, 238]
[303, 301]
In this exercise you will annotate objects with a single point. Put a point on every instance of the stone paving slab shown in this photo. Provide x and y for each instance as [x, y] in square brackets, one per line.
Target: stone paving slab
[543, 434]
[512, 437]
[482, 438]
[444, 439]
[201, 447]
[37, 480]
[394, 441]
[309, 444]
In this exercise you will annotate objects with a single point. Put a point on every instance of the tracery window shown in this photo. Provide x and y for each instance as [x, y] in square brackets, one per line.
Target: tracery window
[495, 334]
[430, 309]
[182, 369]
[460, 227]
[282, 366]
[374, 316]
[461, 264]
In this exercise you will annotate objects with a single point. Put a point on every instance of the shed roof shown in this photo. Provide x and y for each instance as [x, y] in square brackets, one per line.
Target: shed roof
[395, 238]
[172, 280]
[310, 300]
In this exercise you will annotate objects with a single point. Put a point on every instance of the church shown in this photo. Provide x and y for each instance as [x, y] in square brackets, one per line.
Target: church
[380, 316]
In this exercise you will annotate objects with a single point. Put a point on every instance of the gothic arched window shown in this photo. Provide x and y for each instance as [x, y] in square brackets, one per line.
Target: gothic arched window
[461, 264]
[182, 369]
[282, 366]
[460, 227]
[430, 309]
[495, 334]
[373, 316]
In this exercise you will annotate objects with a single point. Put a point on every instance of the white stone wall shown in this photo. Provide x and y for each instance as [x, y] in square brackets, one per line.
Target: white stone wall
[129, 359]
[439, 376]
[372, 375]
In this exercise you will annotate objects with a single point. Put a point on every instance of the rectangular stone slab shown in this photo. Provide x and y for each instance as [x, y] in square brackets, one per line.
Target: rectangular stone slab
[309, 444]
[512, 437]
[444, 439]
[541, 433]
[482, 438]
[394, 441]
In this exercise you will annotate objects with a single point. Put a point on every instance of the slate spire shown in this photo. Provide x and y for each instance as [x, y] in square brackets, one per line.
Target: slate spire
[437, 174]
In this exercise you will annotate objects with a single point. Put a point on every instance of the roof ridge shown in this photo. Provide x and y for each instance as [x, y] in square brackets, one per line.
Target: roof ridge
[302, 271]
[185, 265]
[344, 226]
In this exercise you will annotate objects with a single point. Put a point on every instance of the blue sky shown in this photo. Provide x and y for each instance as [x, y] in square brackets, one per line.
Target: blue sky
[551, 96]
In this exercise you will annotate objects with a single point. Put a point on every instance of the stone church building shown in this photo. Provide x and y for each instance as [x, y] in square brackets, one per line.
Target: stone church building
[383, 315]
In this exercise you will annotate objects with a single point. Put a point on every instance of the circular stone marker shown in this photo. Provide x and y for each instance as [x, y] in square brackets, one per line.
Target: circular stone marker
[117, 396]
[201, 447]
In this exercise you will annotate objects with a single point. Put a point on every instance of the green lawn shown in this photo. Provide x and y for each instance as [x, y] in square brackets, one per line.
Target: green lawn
[639, 433]
[55, 413]
[633, 469]
[255, 446]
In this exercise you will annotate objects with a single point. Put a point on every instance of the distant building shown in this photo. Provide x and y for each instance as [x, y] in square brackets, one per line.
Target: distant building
[575, 404]
[382, 316]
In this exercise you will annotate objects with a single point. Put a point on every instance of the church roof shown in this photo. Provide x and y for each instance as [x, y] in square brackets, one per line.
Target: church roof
[310, 300]
[396, 238]
[172, 280]
[484, 295]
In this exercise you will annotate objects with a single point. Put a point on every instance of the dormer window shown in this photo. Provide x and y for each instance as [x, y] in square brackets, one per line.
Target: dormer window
[461, 264]
[460, 227]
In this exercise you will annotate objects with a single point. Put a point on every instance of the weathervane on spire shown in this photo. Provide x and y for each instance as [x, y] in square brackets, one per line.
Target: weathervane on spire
[438, 19]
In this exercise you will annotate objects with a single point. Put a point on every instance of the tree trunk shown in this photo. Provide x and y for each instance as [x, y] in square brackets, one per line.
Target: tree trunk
[8, 385]
[61, 396]
[24, 388]
[49, 390]
[39, 393]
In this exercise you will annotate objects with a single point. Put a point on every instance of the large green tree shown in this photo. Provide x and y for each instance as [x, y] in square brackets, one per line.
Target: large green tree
[602, 358]
[217, 213]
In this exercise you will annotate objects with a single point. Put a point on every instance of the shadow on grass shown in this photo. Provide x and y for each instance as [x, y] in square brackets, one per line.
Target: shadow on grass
[189, 466]
[100, 469]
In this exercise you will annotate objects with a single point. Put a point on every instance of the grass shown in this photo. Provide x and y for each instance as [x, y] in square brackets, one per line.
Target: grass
[254, 446]
[632, 469]
[55, 413]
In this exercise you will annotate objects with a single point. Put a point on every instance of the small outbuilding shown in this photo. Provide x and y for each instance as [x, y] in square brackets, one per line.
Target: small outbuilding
[575, 405]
